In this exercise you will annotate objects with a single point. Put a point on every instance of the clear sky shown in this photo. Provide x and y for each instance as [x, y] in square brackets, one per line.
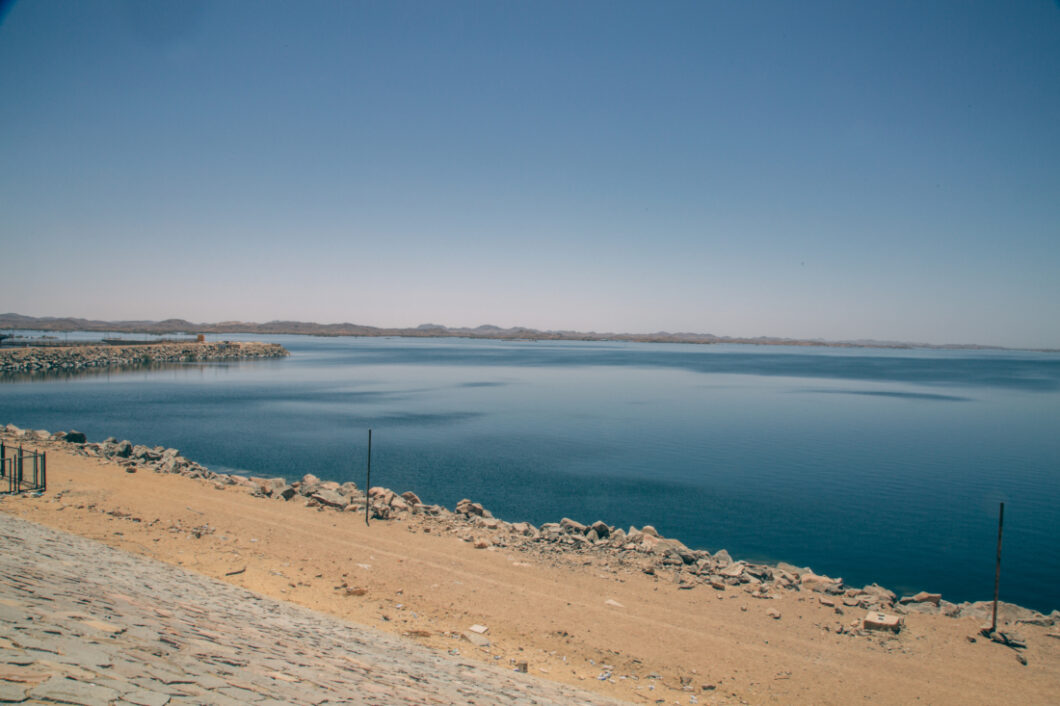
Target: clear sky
[840, 170]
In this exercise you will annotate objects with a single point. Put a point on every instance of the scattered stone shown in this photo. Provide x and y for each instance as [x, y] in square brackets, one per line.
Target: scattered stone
[480, 629]
[330, 498]
[613, 603]
[879, 593]
[74, 437]
[601, 528]
[733, 570]
[773, 613]
[922, 597]
[524, 529]
[475, 639]
[572, 526]
[875, 620]
[468, 508]
[816, 582]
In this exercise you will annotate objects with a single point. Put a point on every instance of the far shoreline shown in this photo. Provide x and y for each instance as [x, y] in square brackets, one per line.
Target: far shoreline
[486, 332]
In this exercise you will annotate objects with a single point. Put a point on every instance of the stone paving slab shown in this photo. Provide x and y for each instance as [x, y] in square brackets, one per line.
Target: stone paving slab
[83, 623]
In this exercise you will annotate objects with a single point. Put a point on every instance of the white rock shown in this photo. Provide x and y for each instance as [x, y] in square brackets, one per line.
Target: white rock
[874, 620]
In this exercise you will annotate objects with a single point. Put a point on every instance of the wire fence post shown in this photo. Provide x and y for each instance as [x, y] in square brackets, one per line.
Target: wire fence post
[997, 570]
[368, 480]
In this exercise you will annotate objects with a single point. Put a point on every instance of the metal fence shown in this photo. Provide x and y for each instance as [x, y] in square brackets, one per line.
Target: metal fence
[22, 471]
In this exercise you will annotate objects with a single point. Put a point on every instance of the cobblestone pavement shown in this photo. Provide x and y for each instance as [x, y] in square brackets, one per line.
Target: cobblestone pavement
[86, 624]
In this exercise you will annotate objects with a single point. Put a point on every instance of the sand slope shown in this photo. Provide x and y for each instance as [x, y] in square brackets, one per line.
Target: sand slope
[556, 613]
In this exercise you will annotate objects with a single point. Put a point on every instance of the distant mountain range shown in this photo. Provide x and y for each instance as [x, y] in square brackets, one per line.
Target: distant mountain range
[171, 326]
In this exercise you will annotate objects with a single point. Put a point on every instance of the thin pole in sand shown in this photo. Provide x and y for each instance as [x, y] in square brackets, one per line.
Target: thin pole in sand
[368, 481]
[997, 570]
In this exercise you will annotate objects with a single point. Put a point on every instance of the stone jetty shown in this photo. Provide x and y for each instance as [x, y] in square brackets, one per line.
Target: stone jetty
[81, 623]
[75, 358]
[642, 549]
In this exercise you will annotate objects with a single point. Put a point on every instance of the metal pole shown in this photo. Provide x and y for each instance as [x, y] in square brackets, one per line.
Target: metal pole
[368, 481]
[44, 471]
[997, 571]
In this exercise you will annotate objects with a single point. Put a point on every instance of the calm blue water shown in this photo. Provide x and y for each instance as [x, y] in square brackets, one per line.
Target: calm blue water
[873, 465]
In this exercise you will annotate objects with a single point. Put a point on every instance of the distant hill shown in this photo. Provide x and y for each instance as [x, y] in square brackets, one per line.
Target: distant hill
[171, 326]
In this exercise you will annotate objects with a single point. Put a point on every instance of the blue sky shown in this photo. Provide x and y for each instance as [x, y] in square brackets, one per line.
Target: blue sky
[839, 170]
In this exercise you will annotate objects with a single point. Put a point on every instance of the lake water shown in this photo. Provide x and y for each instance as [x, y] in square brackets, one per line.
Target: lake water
[870, 464]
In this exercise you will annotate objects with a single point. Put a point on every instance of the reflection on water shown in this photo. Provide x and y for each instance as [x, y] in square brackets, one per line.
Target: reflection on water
[891, 393]
[118, 371]
[53, 374]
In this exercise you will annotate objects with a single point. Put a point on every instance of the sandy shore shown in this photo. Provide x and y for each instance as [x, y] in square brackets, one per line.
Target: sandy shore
[570, 617]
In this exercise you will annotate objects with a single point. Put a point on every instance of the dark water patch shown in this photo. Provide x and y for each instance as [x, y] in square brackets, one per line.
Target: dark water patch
[1033, 373]
[417, 418]
[928, 396]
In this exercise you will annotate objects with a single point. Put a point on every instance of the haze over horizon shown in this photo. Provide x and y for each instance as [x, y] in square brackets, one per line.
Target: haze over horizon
[835, 171]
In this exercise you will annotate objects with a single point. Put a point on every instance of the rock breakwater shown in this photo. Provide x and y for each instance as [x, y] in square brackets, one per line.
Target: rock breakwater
[859, 611]
[74, 358]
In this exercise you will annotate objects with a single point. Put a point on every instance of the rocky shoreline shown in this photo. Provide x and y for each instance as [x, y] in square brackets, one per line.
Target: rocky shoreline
[75, 358]
[641, 550]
